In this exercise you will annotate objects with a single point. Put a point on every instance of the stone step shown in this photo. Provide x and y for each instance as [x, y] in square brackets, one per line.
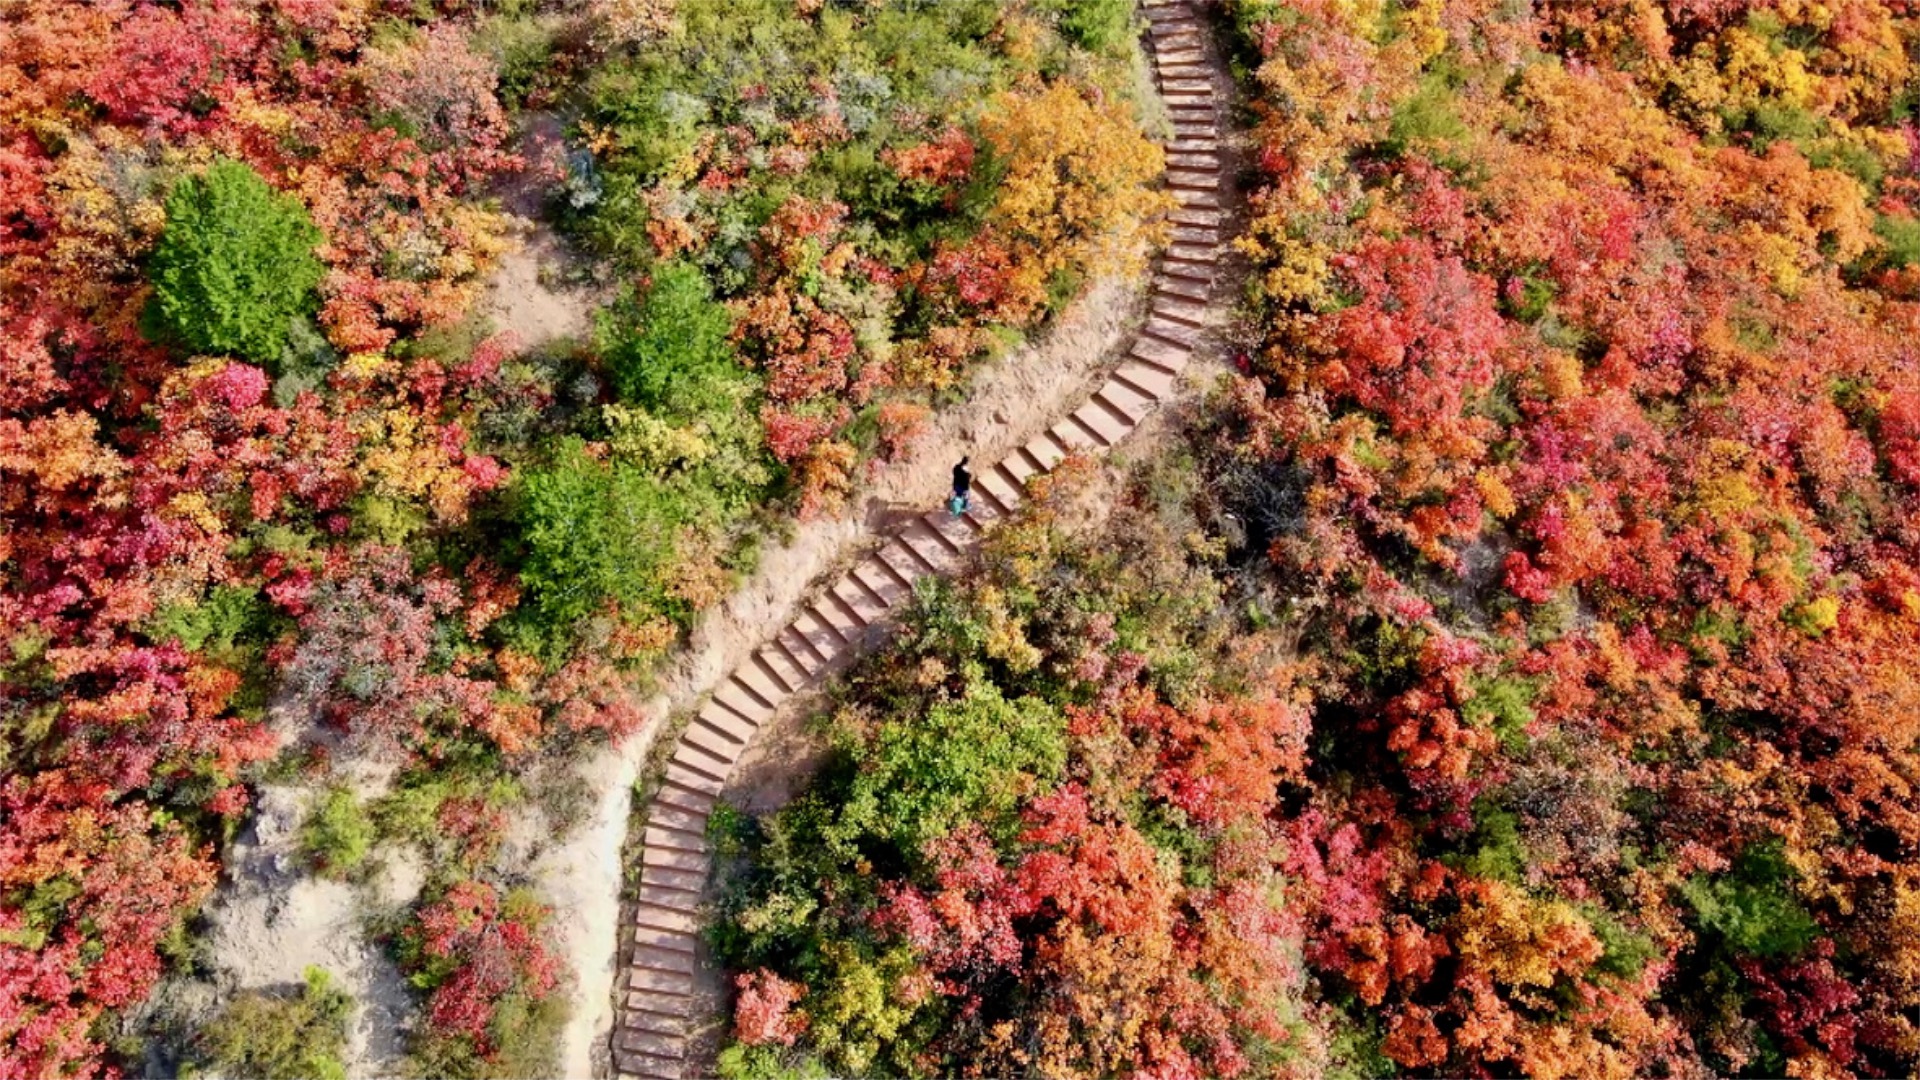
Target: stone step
[720, 712]
[901, 572]
[660, 983]
[1161, 353]
[1203, 218]
[866, 607]
[773, 660]
[1209, 200]
[704, 762]
[749, 702]
[667, 815]
[1046, 451]
[701, 761]
[1129, 404]
[901, 560]
[668, 897]
[669, 919]
[663, 917]
[954, 531]
[1192, 146]
[856, 584]
[654, 958]
[662, 1005]
[1188, 179]
[1197, 162]
[759, 686]
[795, 645]
[1019, 468]
[1108, 424]
[1184, 258]
[931, 548]
[718, 716]
[1195, 235]
[835, 613]
[676, 878]
[1178, 333]
[687, 778]
[645, 1066]
[649, 1017]
[1202, 273]
[1154, 382]
[819, 634]
[712, 741]
[1183, 287]
[653, 938]
[676, 794]
[672, 857]
[984, 510]
[1076, 436]
[652, 1043]
[1185, 311]
[881, 582]
[1003, 486]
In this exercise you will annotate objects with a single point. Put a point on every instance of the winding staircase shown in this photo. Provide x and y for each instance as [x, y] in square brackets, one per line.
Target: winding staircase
[857, 612]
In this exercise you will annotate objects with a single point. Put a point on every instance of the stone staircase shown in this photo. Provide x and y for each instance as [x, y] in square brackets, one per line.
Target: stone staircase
[858, 611]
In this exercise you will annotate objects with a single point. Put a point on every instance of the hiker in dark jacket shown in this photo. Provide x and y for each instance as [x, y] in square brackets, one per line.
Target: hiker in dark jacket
[962, 489]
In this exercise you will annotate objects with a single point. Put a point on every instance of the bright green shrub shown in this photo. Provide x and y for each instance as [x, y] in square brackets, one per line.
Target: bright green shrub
[234, 266]
[295, 1038]
[594, 531]
[1752, 910]
[1902, 236]
[968, 760]
[668, 351]
[337, 835]
[1427, 116]
[1100, 25]
[215, 623]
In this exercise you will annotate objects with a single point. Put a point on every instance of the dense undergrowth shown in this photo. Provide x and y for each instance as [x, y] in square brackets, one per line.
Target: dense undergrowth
[262, 460]
[1579, 461]
[1039, 844]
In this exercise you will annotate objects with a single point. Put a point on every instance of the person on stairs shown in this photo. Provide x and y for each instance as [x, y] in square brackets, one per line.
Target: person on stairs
[962, 499]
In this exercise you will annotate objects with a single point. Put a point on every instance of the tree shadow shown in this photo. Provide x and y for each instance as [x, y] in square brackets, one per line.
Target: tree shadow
[887, 518]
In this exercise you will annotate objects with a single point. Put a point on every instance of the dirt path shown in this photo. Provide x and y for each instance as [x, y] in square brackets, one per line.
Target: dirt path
[671, 998]
[1010, 400]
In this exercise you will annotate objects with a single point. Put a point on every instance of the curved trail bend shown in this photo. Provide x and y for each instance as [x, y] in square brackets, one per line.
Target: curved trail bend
[857, 612]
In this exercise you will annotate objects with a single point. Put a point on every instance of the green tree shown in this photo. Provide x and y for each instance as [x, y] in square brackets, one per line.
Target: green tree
[275, 1037]
[337, 835]
[1753, 910]
[668, 352]
[1100, 25]
[594, 530]
[234, 267]
[973, 759]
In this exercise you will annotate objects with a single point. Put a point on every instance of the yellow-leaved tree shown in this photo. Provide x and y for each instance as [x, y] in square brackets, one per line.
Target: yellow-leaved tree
[1077, 189]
